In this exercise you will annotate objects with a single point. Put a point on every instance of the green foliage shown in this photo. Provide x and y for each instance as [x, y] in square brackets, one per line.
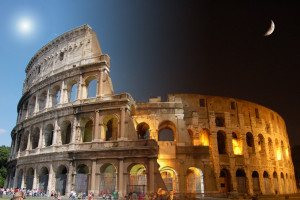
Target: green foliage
[4, 153]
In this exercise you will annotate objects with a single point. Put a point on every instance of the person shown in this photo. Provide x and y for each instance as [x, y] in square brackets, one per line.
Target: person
[74, 196]
[19, 196]
[172, 197]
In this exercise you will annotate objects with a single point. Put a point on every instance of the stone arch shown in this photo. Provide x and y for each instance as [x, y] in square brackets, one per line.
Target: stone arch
[82, 179]
[241, 181]
[42, 100]
[90, 89]
[237, 143]
[167, 131]
[137, 178]
[261, 144]
[30, 178]
[195, 181]
[43, 179]
[271, 150]
[283, 183]
[221, 139]
[34, 138]
[48, 135]
[72, 90]
[250, 143]
[61, 179]
[20, 178]
[108, 178]
[86, 125]
[267, 183]
[111, 127]
[204, 137]
[278, 150]
[225, 180]
[194, 137]
[143, 130]
[170, 178]
[255, 182]
[66, 131]
[56, 93]
[275, 182]
[24, 141]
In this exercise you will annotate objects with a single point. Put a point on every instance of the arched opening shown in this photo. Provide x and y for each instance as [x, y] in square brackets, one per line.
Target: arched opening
[204, 137]
[66, 130]
[29, 179]
[31, 105]
[48, 135]
[91, 87]
[72, 91]
[55, 95]
[237, 143]
[267, 183]
[194, 137]
[86, 125]
[170, 178]
[221, 137]
[271, 151]
[261, 144]
[250, 143]
[287, 184]
[108, 180]
[43, 179]
[282, 183]
[138, 179]
[24, 141]
[20, 178]
[61, 180]
[282, 151]
[35, 136]
[166, 131]
[195, 182]
[82, 179]
[241, 181]
[225, 181]
[111, 128]
[142, 130]
[275, 183]
[255, 182]
[42, 100]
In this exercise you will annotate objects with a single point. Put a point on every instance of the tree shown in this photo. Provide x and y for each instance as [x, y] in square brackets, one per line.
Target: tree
[4, 153]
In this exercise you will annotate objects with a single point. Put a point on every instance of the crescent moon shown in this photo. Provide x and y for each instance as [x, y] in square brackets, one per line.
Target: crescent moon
[271, 29]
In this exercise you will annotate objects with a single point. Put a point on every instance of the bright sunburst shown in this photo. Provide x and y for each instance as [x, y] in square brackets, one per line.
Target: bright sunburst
[25, 26]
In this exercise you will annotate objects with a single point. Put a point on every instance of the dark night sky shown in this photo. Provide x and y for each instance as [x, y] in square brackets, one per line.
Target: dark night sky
[211, 48]
[161, 47]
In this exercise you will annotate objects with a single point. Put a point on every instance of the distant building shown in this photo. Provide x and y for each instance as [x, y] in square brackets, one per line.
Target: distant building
[73, 133]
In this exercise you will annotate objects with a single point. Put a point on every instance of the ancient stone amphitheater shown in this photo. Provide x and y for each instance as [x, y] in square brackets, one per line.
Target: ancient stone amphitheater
[73, 133]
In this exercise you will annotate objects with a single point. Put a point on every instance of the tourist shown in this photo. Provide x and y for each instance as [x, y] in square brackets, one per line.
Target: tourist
[172, 197]
[19, 196]
[74, 196]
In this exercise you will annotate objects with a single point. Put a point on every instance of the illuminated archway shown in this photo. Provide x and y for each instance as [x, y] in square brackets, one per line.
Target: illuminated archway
[142, 130]
[86, 125]
[195, 182]
[166, 131]
[111, 127]
[170, 178]
[204, 137]
[237, 143]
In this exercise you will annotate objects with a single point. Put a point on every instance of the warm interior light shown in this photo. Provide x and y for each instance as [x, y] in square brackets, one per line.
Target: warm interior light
[237, 149]
[278, 155]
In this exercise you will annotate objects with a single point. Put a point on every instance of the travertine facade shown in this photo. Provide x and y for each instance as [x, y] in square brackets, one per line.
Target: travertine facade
[74, 133]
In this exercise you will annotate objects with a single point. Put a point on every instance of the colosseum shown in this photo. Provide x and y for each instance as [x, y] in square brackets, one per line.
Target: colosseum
[73, 133]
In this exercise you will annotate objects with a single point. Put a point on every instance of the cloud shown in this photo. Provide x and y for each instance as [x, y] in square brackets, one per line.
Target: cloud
[3, 131]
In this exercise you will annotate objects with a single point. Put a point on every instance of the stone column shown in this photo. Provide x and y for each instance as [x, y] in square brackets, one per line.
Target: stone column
[35, 182]
[28, 143]
[41, 140]
[62, 91]
[93, 176]
[121, 185]
[56, 133]
[122, 124]
[100, 83]
[74, 131]
[70, 179]
[79, 88]
[36, 108]
[51, 181]
[97, 128]
[102, 132]
[16, 179]
[23, 180]
[151, 176]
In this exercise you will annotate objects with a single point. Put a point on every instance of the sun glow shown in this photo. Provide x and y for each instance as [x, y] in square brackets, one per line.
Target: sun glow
[25, 26]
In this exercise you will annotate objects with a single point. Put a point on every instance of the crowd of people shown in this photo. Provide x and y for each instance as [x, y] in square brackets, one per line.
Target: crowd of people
[19, 194]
